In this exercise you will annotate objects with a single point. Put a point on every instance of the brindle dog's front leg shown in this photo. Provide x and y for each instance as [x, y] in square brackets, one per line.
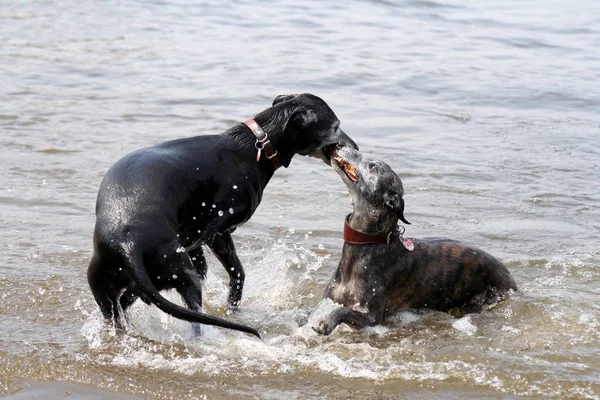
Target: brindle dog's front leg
[223, 248]
[354, 318]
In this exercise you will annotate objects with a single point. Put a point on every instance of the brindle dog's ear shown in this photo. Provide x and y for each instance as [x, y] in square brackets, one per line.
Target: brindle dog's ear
[283, 97]
[400, 212]
[395, 202]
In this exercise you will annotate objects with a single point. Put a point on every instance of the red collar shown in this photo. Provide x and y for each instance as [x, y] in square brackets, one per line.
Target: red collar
[357, 237]
[263, 143]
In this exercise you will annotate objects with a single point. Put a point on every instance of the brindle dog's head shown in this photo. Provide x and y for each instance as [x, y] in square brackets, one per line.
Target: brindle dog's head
[375, 189]
[309, 125]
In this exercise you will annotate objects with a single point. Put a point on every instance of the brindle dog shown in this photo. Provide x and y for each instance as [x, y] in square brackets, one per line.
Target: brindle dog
[158, 205]
[381, 272]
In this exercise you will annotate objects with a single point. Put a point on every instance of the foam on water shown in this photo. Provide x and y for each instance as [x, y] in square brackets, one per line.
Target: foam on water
[274, 304]
[465, 325]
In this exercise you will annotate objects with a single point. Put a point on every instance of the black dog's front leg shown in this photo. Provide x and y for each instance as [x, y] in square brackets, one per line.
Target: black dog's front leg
[354, 318]
[223, 248]
[199, 261]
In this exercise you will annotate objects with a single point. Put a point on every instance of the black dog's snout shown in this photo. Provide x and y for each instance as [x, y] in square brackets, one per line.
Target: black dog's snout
[346, 140]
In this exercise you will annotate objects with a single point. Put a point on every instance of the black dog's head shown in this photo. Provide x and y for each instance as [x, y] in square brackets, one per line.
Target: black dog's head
[308, 123]
[374, 187]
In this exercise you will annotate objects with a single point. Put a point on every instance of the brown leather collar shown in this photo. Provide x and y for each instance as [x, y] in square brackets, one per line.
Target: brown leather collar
[357, 237]
[263, 143]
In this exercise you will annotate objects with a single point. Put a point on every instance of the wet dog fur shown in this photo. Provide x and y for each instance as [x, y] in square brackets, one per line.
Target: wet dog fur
[373, 281]
[158, 205]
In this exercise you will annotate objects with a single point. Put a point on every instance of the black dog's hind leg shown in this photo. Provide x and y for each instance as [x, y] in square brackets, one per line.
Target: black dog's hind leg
[126, 300]
[189, 286]
[354, 318]
[223, 248]
[104, 291]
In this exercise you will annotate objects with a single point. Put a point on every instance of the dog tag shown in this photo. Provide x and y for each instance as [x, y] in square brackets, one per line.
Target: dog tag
[258, 154]
[408, 244]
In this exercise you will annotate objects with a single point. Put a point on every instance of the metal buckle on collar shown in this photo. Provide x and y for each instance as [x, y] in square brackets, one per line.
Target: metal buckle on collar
[399, 230]
[260, 144]
[272, 155]
[389, 236]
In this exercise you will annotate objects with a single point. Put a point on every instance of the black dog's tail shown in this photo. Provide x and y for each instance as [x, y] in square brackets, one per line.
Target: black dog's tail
[141, 278]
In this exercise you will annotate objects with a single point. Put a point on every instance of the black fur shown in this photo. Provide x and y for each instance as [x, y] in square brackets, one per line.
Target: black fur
[156, 206]
[373, 281]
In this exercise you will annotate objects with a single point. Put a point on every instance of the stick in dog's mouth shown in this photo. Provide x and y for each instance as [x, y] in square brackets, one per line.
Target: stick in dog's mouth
[349, 169]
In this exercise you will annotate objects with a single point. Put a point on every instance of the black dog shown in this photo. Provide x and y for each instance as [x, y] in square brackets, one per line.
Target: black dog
[156, 206]
[381, 272]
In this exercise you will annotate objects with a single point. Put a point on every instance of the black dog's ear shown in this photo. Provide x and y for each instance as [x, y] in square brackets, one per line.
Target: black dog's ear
[394, 201]
[303, 117]
[283, 97]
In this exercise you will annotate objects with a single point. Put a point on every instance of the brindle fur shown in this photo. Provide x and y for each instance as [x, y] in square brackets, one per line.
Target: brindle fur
[373, 281]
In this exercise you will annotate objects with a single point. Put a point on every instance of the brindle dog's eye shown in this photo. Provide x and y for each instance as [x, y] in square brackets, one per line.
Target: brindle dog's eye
[372, 166]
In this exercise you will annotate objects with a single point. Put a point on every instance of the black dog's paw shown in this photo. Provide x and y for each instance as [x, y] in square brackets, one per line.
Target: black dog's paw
[233, 305]
[324, 328]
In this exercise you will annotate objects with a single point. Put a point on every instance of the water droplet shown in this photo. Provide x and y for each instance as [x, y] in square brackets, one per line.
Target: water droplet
[233, 269]
[235, 187]
[199, 231]
[193, 258]
[158, 277]
[197, 169]
[174, 276]
[203, 204]
[321, 247]
[291, 230]
[194, 217]
[165, 256]
[231, 211]
[214, 206]
[180, 249]
[220, 213]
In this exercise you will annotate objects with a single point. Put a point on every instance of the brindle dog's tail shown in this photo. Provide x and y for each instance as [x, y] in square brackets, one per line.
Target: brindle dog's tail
[140, 276]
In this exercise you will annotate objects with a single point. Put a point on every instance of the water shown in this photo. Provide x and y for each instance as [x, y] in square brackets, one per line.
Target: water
[487, 110]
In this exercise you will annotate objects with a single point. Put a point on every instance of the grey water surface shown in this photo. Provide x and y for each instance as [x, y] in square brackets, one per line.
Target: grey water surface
[488, 110]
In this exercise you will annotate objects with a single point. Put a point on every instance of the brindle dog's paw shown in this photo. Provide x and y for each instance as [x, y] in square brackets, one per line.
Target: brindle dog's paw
[324, 328]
